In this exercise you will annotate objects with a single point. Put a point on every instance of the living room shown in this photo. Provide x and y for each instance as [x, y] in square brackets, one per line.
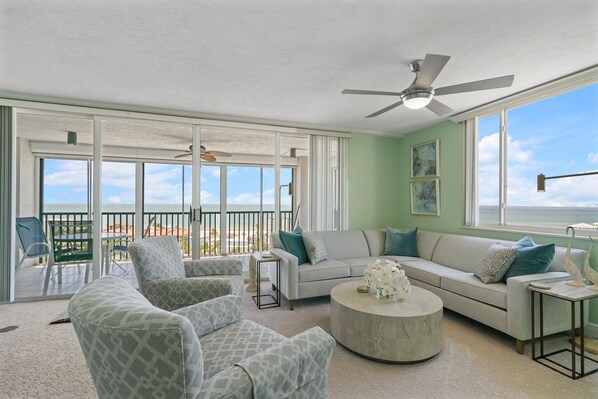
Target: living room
[283, 67]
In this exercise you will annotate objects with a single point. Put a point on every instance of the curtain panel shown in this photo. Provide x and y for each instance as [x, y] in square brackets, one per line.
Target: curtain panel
[329, 182]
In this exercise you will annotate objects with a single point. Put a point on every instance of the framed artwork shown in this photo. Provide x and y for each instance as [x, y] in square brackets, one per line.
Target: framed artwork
[425, 197]
[425, 160]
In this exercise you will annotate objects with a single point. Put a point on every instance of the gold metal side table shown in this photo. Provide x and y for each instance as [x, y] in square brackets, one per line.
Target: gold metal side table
[574, 295]
[259, 258]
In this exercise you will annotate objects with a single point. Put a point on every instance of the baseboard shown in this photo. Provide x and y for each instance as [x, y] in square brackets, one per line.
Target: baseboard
[591, 330]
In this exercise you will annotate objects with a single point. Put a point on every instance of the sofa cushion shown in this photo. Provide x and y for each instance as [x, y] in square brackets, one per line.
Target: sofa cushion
[525, 242]
[293, 243]
[358, 265]
[376, 240]
[426, 243]
[461, 252]
[531, 260]
[426, 271]
[401, 242]
[314, 246]
[495, 263]
[345, 244]
[325, 270]
[468, 285]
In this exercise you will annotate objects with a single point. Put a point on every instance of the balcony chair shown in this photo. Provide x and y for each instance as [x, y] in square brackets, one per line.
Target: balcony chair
[32, 240]
[124, 249]
[135, 350]
[170, 283]
[71, 244]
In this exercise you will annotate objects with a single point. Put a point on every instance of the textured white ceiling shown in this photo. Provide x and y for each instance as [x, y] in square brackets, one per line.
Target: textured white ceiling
[286, 61]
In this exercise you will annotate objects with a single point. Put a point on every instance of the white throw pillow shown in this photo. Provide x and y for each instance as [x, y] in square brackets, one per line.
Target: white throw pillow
[314, 246]
[495, 263]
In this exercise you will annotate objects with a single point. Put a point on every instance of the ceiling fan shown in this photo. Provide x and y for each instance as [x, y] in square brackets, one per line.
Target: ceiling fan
[208, 156]
[421, 93]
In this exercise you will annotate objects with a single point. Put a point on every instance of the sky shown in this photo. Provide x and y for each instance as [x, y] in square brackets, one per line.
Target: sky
[65, 183]
[556, 136]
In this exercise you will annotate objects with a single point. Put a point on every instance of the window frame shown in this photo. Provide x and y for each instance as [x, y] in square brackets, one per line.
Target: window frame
[501, 107]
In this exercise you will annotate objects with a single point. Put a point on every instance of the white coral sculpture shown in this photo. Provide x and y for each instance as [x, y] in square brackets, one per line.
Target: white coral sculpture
[570, 267]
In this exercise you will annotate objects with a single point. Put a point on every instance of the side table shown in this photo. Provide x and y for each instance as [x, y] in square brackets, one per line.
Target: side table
[258, 258]
[572, 294]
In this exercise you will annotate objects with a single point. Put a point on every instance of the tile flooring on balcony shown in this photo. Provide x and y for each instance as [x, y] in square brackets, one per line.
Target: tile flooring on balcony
[29, 281]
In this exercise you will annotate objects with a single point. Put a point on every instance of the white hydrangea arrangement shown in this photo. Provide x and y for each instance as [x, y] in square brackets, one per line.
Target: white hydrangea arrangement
[387, 279]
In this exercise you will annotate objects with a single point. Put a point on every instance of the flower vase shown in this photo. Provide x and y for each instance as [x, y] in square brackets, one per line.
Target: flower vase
[388, 293]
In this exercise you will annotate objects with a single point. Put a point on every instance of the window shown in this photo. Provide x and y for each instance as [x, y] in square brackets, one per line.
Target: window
[554, 136]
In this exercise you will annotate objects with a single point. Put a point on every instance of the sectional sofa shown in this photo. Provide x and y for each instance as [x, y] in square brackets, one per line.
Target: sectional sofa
[444, 266]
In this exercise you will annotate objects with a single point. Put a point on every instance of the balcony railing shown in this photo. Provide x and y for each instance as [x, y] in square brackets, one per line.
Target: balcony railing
[247, 231]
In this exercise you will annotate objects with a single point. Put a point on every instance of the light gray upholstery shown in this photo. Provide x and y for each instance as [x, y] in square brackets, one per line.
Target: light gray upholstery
[468, 285]
[324, 270]
[426, 271]
[170, 283]
[135, 350]
[444, 266]
[345, 244]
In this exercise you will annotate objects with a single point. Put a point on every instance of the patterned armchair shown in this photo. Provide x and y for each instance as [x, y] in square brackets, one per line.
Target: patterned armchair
[171, 283]
[135, 350]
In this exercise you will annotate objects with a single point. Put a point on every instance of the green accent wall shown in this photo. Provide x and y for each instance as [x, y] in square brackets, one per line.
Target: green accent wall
[374, 168]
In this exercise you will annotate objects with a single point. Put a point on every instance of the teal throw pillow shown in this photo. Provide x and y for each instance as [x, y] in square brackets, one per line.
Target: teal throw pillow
[403, 243]
[524, 243]
[293, 243]
[298, 230]
[531, 260]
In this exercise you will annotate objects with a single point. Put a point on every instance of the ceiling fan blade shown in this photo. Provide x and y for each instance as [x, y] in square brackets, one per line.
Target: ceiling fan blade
[371, 92]
[383, 110]
[485, 84]
[439, 108]
[219, 154]
[208, 158]
[183, 155]
[431, 67]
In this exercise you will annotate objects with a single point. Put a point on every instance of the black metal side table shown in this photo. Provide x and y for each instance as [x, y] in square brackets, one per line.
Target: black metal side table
[565, 292]
[259, 258]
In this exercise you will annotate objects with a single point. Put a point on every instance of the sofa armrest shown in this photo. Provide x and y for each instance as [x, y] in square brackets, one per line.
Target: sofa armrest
[289, 273]
[176, 293]
[556, 311]
[213, 314]
[213, 267]
[281, 369]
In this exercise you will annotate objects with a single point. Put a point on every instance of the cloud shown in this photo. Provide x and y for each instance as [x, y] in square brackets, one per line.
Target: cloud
[593, 157]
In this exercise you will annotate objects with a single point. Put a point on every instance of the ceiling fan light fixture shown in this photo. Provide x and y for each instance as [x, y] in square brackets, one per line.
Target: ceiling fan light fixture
[416, 99]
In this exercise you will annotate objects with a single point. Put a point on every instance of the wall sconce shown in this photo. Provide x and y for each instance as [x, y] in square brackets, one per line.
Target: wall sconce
[541, 186]
[71, 138]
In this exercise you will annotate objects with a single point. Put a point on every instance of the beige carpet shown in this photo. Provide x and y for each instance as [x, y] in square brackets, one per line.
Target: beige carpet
[39, 360]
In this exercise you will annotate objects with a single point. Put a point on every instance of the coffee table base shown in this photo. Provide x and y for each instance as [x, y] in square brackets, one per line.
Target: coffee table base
[408, 331]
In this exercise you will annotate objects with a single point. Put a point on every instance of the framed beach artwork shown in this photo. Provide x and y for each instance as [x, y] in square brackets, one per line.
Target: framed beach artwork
[425, 160]
[425, 197]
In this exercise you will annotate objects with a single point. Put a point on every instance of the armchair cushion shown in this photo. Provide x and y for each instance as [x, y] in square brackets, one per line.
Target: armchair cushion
[213, 266]
[235, 342]
[157, 257]
[212, 315]
[283, 369]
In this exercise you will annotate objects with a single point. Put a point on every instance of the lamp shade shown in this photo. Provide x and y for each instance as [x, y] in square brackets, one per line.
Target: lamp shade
[416, 98]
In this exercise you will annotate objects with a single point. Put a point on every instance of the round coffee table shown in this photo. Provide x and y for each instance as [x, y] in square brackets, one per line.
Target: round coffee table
[403, 331]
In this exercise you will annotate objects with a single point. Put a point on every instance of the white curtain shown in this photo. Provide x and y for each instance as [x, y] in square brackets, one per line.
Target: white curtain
[328, 176]
[471, 210]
